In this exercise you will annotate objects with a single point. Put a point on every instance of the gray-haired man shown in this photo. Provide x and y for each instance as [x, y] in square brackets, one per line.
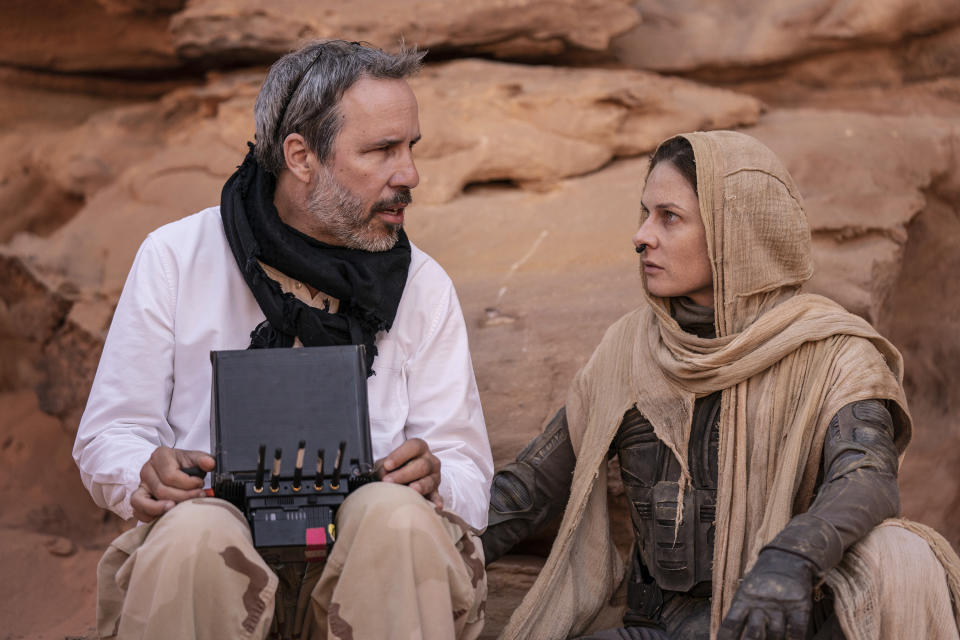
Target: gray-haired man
[308, 248]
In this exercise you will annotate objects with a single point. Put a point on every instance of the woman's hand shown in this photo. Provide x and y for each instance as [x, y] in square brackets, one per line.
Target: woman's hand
[774, 599]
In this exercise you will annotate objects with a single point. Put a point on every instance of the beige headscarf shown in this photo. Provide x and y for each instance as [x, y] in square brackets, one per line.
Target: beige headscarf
[785, 363]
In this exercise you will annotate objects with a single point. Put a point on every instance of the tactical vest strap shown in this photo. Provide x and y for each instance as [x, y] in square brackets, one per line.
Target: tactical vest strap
[678, 556]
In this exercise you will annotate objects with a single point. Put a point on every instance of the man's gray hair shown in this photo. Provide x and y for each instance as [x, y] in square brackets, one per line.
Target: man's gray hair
[303, 89]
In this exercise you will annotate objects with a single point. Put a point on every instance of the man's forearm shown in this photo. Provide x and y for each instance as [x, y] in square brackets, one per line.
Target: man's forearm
[125, 418]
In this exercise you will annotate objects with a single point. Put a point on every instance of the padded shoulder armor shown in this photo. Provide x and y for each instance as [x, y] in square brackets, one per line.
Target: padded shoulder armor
[860, 436]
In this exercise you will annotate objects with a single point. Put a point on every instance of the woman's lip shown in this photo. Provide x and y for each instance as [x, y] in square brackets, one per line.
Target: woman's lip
[649, 267]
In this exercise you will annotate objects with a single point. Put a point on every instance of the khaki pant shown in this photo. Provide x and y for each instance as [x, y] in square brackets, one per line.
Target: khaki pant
[400, 568]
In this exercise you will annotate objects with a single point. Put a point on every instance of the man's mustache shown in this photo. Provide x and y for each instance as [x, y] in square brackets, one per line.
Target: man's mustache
[402, 196]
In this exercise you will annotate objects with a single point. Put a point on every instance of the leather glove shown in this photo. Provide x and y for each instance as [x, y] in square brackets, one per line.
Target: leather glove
[774, 600]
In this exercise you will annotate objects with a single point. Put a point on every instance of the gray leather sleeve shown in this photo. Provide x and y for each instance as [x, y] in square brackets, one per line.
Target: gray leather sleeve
[531, 490]
[859, 487]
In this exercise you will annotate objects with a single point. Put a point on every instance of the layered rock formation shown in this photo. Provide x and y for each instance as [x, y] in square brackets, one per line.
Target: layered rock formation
[251, 30]
[125, 36]
[85, 36]
[531, 179]
[738, 36]
[486, 121]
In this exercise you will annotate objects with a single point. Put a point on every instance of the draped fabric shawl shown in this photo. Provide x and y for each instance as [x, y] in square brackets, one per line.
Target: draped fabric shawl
[785, 362]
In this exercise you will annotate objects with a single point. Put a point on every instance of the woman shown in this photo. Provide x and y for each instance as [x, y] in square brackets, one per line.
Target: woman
[774, 419]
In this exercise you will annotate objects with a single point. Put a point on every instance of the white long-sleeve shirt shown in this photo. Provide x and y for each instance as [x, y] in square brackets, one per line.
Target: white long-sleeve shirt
[185, 297]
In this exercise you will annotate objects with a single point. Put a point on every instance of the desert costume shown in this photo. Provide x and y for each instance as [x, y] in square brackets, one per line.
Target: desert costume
[774, 420]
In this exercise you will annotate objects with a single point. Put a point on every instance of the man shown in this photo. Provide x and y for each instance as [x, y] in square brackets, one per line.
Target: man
[307, 248]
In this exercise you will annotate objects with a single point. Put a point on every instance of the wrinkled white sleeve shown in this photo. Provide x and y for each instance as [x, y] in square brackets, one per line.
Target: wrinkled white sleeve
[125, 417]
[445, 411]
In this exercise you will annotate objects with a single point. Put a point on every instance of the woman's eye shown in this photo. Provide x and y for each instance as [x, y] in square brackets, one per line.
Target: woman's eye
[670, 216]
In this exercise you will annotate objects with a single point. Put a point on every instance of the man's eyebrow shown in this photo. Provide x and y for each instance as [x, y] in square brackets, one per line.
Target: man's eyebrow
[389, 142]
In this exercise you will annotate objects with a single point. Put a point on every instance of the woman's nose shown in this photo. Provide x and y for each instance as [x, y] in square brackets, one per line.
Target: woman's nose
[643, 237]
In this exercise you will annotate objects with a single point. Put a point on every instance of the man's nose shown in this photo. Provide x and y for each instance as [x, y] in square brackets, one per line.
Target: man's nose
[405, 174]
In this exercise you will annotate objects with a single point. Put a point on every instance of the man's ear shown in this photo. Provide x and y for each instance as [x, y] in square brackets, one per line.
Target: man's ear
[299, 159]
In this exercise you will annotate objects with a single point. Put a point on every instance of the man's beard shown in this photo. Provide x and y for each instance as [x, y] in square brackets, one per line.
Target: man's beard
[338, 212]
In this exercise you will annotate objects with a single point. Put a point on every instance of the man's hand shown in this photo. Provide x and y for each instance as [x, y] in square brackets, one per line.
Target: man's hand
[774, 600]
[412, 464]
[163, 484]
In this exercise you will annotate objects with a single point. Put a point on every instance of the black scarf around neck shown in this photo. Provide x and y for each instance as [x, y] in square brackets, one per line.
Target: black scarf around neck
[367, 284]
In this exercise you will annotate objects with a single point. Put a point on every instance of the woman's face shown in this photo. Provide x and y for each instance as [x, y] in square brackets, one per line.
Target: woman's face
[675, 260]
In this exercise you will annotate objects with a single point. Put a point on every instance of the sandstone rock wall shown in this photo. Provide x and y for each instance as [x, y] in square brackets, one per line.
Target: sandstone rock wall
[84, 36]
[118, 116]
[729, 34]
[252, 30]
